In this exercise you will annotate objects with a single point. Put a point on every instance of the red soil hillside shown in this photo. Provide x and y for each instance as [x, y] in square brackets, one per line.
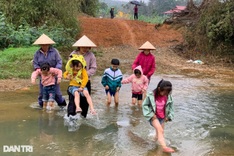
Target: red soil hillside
[115, 32]
[120, 38]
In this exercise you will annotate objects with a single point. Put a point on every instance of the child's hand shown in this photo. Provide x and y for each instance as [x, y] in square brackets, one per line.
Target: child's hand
[117, 89]
[80, 89]
[33, 81]
[59, 81]
[107, 87]
[93, 112]
[166, 119]
[69, 76]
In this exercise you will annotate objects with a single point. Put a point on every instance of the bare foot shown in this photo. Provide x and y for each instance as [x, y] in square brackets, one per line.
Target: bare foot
[168, 150]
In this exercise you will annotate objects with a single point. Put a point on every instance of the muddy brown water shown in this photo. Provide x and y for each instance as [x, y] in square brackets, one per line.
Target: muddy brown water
[203, 123]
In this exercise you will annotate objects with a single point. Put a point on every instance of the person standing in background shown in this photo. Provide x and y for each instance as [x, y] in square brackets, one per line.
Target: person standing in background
[112, 13]
[135, 12]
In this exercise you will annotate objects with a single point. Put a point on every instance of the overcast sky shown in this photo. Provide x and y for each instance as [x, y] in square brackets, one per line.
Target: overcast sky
[146, 1]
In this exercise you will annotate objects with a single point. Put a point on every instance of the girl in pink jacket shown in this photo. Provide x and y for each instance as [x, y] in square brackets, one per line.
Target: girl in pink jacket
[48, 81]
[139, 85]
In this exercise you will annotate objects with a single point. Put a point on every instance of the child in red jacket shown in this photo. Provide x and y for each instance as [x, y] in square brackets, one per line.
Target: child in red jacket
[146, 59]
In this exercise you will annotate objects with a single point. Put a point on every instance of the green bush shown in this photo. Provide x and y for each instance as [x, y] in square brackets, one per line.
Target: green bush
[21, 22]
[25, 35]
[213, 32]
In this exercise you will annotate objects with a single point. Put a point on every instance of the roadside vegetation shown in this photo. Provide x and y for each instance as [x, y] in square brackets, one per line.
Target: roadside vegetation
[22, 21]
[208, 27]
[209, 31]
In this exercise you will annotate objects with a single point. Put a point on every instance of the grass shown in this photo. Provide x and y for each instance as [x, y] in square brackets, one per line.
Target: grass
[152, 19]
[16, 62]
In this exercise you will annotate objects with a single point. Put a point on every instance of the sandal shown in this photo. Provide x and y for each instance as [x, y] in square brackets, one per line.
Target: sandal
[78, 110]
[168, 150]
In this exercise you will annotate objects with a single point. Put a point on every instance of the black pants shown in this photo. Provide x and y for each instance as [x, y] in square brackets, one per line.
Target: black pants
[135, 15]
[71, 109]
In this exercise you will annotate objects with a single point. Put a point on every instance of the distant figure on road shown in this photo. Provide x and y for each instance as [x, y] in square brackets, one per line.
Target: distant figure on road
[135, 12]
[112, 13]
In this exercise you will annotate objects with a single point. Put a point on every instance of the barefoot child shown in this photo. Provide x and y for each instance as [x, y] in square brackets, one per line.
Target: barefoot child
[158, 109]
[139, 85]
[48, 77]
[111, 80]
[77, 74]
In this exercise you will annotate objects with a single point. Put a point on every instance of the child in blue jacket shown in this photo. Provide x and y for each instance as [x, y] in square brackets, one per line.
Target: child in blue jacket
[111, 80]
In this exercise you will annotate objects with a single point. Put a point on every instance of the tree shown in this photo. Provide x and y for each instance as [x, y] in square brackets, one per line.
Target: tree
[103, 9]
[90, 7]
[212, 29]
[160, 6]
[39, 12]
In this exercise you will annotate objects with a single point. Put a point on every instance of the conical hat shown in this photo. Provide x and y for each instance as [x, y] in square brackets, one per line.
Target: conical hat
[43, 39]
[147, 45]
[84, 41]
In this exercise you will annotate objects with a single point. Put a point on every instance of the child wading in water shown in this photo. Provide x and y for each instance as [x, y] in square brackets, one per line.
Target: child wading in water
[77, 74]
[158, 109]
[111, 80]
[139, 85]
[48, 76]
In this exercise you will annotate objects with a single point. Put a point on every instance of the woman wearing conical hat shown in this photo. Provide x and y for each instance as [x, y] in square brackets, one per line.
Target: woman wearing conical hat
[84, 45]
[47, 54]
[146, 60]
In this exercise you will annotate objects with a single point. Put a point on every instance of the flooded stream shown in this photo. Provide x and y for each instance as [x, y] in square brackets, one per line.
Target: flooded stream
[203, 123]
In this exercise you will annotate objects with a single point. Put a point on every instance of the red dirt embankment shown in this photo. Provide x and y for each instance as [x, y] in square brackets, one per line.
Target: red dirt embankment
[120, 38]
[117, 32]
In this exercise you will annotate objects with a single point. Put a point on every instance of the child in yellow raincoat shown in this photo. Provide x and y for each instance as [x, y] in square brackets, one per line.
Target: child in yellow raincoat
[77, 74]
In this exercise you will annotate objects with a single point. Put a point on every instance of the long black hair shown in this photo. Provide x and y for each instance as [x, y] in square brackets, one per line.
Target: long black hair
[162, 85]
